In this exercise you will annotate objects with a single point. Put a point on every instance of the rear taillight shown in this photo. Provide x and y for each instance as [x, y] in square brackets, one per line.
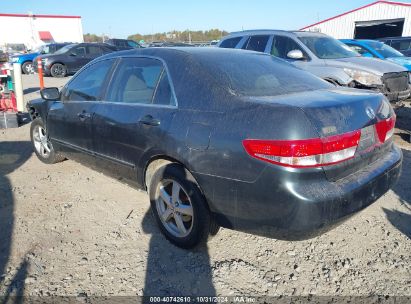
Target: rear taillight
[385, 128]
[315, 152]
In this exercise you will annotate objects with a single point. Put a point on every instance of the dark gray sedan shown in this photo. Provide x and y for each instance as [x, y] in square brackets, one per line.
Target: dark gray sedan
[223, 138]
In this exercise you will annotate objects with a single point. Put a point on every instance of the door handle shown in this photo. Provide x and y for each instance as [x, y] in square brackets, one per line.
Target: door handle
[84, 115]
[149, 121]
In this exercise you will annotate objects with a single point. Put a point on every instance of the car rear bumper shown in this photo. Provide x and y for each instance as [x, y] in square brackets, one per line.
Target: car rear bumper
[299, 209]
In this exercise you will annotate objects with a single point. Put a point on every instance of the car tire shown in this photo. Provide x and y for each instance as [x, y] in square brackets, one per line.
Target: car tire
[41, 144]
[179, 207]
[27, 68]
[58, 70]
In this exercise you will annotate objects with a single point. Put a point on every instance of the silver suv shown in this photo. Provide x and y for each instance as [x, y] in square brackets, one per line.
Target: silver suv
[326, 58]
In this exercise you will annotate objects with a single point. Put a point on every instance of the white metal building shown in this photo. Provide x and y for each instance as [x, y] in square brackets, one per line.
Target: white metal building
[34, 30]
[376, 20]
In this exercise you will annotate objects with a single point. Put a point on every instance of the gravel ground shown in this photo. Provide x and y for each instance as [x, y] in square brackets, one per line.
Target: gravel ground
[68, 230]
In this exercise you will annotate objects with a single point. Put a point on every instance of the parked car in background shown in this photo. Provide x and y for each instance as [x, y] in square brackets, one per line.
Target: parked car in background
[26, 60]
[327, 58]
[15, 48]
[377, 49]
[178, 122]
[71, 58]
[402, 44]
[169, 44]
[123, 44]
[3, 56]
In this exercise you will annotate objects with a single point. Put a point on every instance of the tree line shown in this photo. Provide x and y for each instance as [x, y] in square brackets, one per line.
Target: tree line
[187, 35]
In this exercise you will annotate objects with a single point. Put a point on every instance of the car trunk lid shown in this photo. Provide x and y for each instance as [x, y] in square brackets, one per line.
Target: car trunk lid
[341, 111]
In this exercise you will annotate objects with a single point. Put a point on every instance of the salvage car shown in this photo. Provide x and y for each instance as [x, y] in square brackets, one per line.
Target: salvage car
[71, 58]
[327, 58]
[26, 60]
[222, 137]
[377, 49]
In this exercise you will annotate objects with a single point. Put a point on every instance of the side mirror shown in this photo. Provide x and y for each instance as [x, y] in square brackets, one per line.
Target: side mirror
[73, 54]
[50, 94]
[295, 54]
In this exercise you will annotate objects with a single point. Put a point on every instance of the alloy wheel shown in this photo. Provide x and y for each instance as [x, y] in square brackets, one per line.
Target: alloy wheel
[174, 208]
[41, 142]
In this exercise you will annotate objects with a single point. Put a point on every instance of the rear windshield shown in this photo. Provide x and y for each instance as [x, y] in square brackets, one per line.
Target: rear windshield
[261, 75]
[327, 47]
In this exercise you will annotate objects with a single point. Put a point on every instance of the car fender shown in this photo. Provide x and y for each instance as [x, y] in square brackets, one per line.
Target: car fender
[38, 108]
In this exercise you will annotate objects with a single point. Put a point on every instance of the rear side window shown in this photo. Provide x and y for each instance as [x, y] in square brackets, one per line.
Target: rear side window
[163, 94]
[257, 43]
[230, 43]
[88, 84]
[94, 50]
[401, 45]
[135, 80]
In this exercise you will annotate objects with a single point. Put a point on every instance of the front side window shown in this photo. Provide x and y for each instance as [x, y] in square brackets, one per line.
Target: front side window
[135, 80]
[80, 51]
[230, 43]
[282, 45]
[88, 84]
[257, 43]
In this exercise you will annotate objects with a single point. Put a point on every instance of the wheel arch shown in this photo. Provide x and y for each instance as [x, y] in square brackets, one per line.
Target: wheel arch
[154, 163]
[157, 162]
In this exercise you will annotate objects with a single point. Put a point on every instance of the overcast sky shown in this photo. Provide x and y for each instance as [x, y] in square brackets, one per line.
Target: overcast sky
[125, 17]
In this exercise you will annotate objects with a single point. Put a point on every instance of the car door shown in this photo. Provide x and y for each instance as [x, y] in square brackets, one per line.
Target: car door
[78, 58]
[69, 120]
[134, 116]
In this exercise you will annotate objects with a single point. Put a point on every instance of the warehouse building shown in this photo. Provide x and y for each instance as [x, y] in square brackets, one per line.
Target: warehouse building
[376, 20]
[34, 30]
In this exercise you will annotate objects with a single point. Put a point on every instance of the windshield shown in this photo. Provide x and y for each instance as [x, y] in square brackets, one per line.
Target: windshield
[327, 47]
[261, 75]
[64, 49]
[385, 50]
[133, 44]
[43, 49]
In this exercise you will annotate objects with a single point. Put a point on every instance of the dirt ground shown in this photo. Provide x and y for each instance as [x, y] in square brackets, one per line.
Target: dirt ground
[68, 230]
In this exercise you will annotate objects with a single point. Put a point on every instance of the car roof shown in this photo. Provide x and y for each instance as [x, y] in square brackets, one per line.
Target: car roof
[273, 32]
[360, 41]
[181, 52]
[395, 38]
